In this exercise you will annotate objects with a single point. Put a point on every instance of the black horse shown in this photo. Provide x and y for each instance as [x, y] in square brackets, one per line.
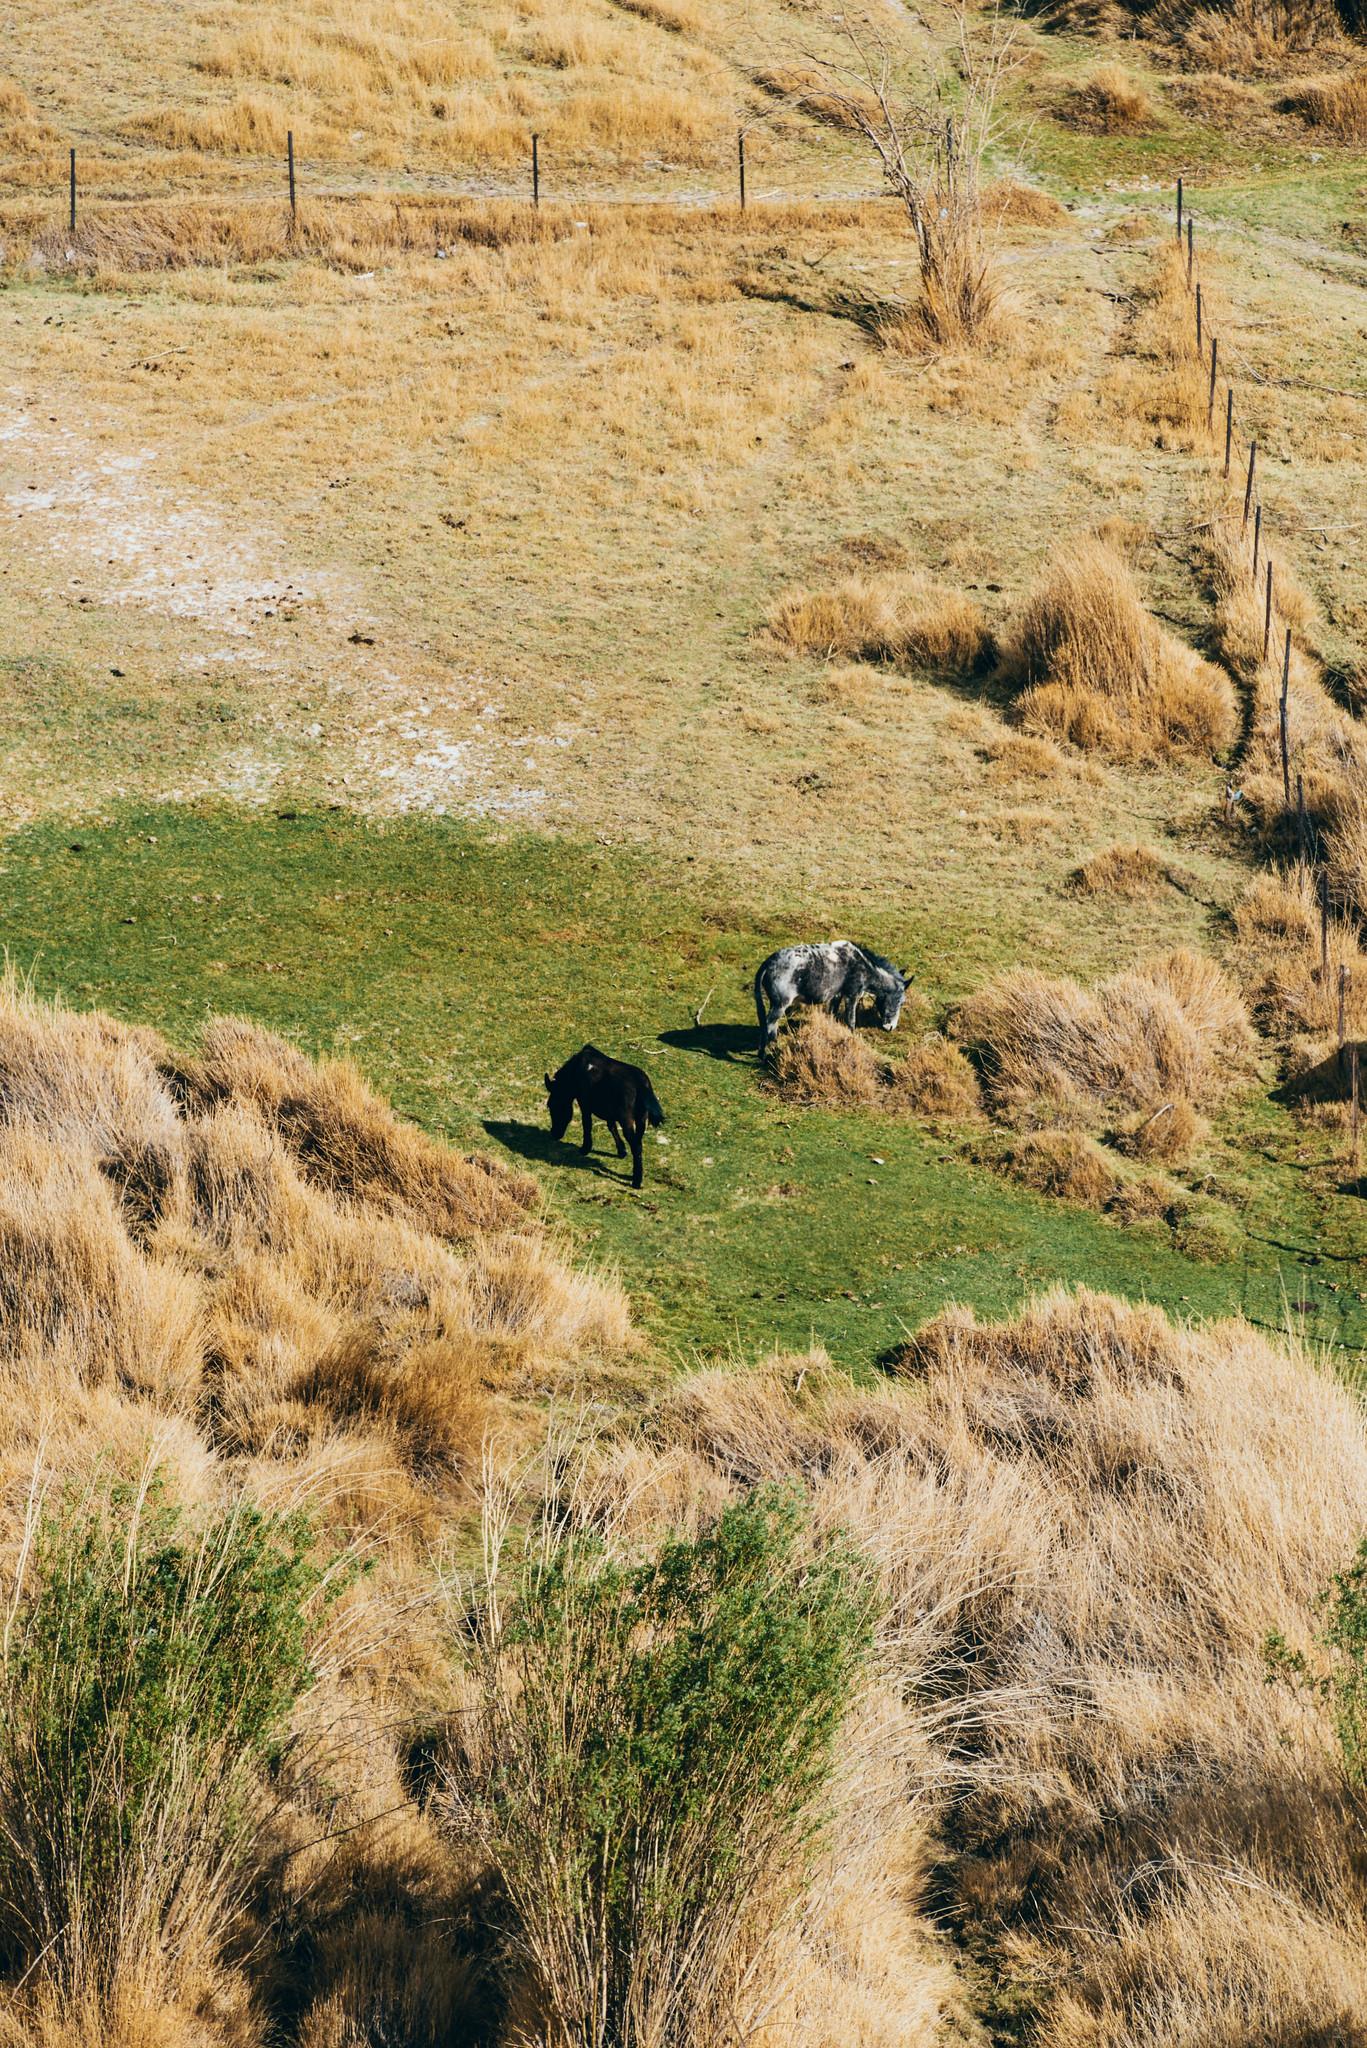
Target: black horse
[620, 1094]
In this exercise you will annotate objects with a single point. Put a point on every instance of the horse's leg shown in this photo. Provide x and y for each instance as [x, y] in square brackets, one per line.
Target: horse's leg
[635, 1129]
[588, 1124]
[617, 1139]
[777, 1012]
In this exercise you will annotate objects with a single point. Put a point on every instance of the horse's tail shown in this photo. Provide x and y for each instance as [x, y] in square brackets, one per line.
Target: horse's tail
[654, 1113]
[761, 1007]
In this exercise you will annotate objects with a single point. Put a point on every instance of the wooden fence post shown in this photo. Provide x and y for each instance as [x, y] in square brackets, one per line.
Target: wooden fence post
[1286, 750]
[1179, 213]
[289, 153]
[1248, 487]
[1257, 536]
[1324, 927]
[536, 170]
[1200, 350]
[1210, 402]
[1302, 822]
[1229, 428]
[1191, 249]
[740, 151]
[73, 192]
[1353, 1097]
[1267, 615]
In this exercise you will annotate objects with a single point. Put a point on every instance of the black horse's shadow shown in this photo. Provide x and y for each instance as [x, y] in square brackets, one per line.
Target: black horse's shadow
[716, 1041]
[534, 1141]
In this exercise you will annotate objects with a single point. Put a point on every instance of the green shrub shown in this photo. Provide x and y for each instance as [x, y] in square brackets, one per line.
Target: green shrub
[148, 1666]
[1337, 1674]
[655, 1745]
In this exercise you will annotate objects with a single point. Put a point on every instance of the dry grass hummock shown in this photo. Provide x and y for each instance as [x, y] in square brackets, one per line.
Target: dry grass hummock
[900, 618]
[1110, 102]
[1338, 105]
[1092, 667]
[824, 1065]
[1165, 1136]
[1292, 968]
[1050, 1050]
[1123, 871]
[1085, 1529]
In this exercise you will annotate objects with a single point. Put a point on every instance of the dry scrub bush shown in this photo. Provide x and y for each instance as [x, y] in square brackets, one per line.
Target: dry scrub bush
[1110, 102]
[1091, 666]
[903, 619]
[1338, 104]
[1122, 871]
[1086, 1524]
[1048, 1048]
[228, 1265]
[1007, 203]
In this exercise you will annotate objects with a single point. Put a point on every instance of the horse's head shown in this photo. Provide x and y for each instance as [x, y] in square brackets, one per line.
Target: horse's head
[889, 996]
[560, 1102]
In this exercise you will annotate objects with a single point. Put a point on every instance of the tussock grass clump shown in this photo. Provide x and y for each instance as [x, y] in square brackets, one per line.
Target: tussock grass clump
[1008, 203]
[1109, 102]
[1164, 1136]
[935, 1080]
[901, 618]
[1174, 1028]
[1277, 922]
[824, 1064]
[1067, 1164]
[1336, 104]
[1250, 37]
[1122, 871]
[1092, 667]
[1085, 1528]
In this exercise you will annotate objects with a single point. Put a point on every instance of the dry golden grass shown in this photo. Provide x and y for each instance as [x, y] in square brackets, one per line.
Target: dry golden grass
[1085, 1529]
[1091, 666]
[1109, 102]
[824, 1065]
[814, 93]
[243, 1270]
[1049, 1049]
[1122, 871]
[934, 1079]
[1165, 1136]
[1252, 37]
[1066, 1164]
[900, 617]
[1293, 988]
[1007, 203]
[1336, 104]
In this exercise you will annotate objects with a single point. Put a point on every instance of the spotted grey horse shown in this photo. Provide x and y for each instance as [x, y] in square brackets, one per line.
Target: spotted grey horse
[837, 975]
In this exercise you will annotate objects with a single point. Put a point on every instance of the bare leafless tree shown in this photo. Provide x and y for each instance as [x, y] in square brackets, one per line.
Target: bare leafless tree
[932, 142]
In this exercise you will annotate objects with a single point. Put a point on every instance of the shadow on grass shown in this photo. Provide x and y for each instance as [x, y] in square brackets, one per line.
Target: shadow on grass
[717, 1041]
[534, 1141]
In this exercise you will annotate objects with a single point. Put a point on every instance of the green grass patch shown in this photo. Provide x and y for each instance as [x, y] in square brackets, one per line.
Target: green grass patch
[456, 968]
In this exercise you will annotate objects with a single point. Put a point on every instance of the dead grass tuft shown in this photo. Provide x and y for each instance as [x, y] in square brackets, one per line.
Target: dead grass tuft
[1049, 1048]
[902, 618]
[1090, 666]
[1007, 203]
[1065, 1164]
[1122, 871]
[1110, 102]
[1336, 104]
[1165, 1136]
[823, 1064]
[934, 1079]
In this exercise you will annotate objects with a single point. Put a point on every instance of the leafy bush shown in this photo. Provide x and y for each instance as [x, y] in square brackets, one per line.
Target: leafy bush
[1337, 1675]
[654, 1747]
[148, 1665]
